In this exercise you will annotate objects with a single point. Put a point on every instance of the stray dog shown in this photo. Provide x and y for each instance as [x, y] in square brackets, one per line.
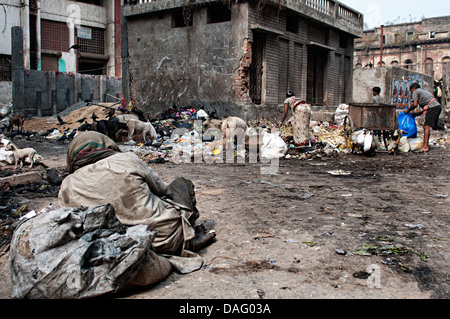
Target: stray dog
[146, 128]
[234, 129]
[17, 120]
[20, 154]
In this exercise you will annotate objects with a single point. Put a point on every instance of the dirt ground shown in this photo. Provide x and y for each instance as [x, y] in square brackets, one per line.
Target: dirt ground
[380, 231]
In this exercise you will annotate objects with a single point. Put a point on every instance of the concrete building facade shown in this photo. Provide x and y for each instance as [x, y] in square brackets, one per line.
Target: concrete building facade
[422, 47]
[52, 27]
[237, 57]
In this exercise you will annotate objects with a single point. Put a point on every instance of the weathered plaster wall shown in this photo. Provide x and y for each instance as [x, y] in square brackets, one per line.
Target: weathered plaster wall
[5, 92]
[191, 65]
[9, 17]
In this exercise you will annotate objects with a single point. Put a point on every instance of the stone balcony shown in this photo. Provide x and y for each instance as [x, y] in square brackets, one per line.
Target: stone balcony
[329, 12]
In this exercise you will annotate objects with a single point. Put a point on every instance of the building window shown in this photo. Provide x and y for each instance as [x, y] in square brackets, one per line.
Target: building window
[182, 17]
[429, 69]
[409, 36]
[409, 65]
[218, 13]
[292, 23]
[96, 2]
[91, 40]
[5, 68]
[343, 41]
[54, 36]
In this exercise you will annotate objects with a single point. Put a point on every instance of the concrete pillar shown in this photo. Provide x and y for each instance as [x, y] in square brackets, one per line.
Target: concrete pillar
[38, 34]
[25, 23]
[102, 88]
[125, 64]
[51, 93]
[39, 103]
[77, 87]
[18, 77]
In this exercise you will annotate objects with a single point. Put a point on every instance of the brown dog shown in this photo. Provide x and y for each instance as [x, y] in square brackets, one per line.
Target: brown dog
[17, 120]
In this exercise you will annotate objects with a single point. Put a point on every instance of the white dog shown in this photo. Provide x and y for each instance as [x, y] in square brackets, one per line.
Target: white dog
[146, 128]
[234, 128]
[20, 154]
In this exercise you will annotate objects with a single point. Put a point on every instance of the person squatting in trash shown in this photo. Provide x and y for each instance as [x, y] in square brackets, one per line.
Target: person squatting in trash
[430, 107]
[300, 120]
[100, 173]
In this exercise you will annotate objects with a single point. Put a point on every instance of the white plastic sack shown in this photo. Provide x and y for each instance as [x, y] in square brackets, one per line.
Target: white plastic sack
[6, 110]
[79, 253]
[273, 146]
[6, 157]
[363, 140]
[340, 114]
[404, 146]
[54, 134]
[415, 144]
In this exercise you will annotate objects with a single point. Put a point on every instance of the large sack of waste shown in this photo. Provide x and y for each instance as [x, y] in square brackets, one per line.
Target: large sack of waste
[340, 114]
[407, 124]
[80, 253]
[5, 110]
[273, 145]
[363, 140]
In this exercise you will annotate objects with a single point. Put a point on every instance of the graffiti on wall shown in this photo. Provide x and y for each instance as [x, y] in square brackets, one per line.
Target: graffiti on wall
[401, 96]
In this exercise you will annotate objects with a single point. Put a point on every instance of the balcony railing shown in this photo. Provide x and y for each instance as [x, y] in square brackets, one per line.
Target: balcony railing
[330, 10]
[324, 6]
[337, 10]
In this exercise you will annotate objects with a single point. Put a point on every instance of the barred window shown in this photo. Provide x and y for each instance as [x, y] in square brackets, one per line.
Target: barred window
[54, 36]
[91, 40]
[5, 68]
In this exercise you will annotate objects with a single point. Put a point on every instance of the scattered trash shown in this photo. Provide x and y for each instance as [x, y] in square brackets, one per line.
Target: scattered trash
[339, 172]
[268, 183]
[340, 251]
[304, 195]
[329, 233]
[361, 275]
[369, 250]
[29, 215]
[419, 226]
[309, 243]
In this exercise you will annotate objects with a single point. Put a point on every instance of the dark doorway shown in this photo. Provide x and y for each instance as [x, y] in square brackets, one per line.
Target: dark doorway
[256, 68]
[317, 63]
[92, 67]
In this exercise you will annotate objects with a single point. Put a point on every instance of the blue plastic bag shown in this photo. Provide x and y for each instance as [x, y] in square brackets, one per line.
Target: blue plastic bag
[407, 123]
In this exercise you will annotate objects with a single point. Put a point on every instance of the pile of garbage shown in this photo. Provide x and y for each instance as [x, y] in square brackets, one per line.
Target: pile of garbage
[5, 116]
[182, 139]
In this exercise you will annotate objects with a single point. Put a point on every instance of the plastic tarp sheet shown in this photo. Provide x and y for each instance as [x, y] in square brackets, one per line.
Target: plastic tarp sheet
[80, 253]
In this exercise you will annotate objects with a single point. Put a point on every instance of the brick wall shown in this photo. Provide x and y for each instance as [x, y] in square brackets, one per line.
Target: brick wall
[241, 76]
